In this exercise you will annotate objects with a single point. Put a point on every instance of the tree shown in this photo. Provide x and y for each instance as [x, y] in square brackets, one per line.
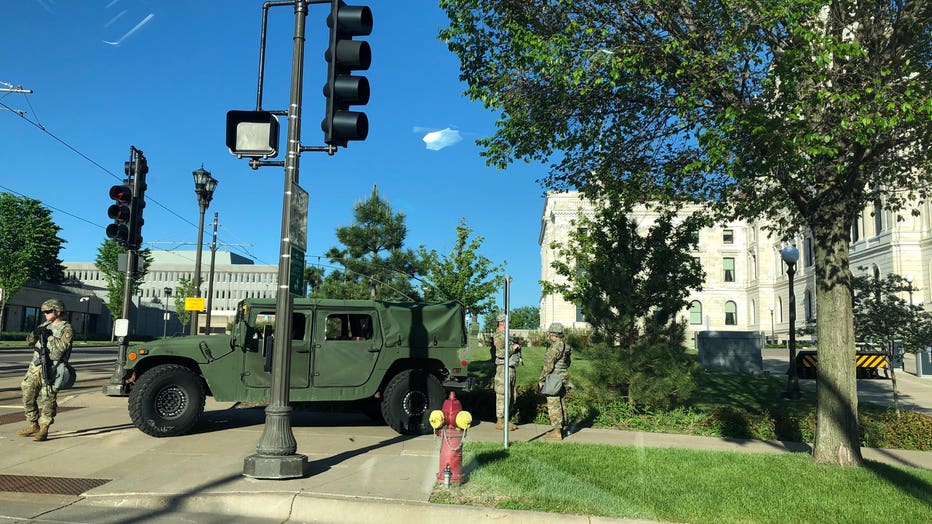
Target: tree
[376, 265]
[801, 112]
[107, 261]
[525, 317]
[631, 282]
[184, 290]
[463, 275]
[884, 319]
[29, 246]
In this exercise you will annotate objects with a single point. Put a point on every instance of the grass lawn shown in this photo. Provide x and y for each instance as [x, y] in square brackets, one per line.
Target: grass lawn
[687, 486]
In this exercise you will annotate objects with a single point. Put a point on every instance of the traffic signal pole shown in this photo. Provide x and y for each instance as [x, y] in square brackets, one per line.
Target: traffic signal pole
[276, 456]
[136, 170]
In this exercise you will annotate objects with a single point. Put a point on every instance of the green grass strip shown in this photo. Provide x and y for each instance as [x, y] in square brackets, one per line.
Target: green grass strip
[686, 485]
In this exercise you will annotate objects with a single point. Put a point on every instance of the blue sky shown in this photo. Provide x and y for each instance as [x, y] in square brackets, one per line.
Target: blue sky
[161, 75]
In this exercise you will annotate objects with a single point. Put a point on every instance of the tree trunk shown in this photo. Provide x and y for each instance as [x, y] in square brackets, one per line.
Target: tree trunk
[836, 437]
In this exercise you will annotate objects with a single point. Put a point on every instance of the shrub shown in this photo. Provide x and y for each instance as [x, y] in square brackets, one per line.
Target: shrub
[577, 338]
[660, 374]
[909, 430]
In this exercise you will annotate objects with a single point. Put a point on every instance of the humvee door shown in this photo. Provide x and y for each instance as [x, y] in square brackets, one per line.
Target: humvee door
[347, 344]
[257, 364]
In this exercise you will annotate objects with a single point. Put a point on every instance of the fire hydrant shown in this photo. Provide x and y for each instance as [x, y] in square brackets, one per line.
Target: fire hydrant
[450, 424]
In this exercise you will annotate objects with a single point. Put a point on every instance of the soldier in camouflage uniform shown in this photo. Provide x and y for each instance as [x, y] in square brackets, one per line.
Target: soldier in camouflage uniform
[556, 360]
[514, 358]
[38, 397]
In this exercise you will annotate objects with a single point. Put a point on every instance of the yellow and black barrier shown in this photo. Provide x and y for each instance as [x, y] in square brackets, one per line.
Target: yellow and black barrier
[867, 363]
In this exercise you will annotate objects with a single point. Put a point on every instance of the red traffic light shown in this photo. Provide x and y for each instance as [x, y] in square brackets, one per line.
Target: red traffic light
[122, 194]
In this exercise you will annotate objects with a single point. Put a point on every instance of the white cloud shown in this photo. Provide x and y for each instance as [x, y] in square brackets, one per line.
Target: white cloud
[437, 140]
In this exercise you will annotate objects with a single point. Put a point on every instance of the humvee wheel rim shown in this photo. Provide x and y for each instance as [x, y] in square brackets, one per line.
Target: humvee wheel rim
[170, 402]
[415, 403]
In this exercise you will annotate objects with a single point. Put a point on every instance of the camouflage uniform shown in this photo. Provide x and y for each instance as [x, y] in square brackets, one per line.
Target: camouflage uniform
[39, 400]
[498, 343]
[556, 360]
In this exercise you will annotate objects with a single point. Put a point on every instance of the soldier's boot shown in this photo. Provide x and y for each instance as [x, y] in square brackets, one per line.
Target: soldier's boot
[500, 424]
[29, 430]
[43, 434]
[512, 426]
[554, 434]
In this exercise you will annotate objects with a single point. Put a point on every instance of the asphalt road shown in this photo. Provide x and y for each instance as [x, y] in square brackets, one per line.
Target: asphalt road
[94, 366]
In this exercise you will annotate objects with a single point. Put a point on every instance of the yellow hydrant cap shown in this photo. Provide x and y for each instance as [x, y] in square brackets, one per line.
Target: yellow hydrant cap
[463, 419]
[436, 419]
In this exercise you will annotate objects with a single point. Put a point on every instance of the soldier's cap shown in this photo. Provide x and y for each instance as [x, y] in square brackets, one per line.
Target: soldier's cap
[53, 304]
[556, 327]
[501, 317]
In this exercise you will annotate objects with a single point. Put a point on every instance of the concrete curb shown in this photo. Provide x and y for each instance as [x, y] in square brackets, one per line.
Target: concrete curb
[306, 507]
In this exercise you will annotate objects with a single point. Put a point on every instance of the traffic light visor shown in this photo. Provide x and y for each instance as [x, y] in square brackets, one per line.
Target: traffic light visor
[352, 20]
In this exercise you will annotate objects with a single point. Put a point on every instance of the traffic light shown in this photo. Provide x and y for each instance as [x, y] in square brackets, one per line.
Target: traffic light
[129, 201]
[342, 90]
[120, 212]
[139, 169]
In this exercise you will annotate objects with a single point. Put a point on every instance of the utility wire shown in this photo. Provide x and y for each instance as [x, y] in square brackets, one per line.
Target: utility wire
[45, 130]
[52, 207]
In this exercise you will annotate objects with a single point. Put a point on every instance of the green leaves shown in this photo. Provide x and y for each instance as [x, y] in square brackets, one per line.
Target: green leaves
[29, 245]
[375, 263]
[464, 275]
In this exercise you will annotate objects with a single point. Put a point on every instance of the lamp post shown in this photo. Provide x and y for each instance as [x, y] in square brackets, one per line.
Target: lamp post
[204, 186]
[87, 312]
[773, 332]
[909, 289]
[168, 294]
[790, 256]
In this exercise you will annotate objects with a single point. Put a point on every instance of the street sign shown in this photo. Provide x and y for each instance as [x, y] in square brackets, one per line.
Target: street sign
[296, 278]
[297, 230]
[194, 304]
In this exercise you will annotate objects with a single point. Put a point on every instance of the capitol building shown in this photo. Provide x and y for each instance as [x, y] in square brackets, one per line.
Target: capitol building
[746, 286]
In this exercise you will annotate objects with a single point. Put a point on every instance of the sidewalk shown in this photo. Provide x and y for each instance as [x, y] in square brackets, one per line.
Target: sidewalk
[357, 471]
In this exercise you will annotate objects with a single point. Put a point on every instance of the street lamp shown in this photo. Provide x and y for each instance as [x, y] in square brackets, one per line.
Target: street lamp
[790, 255]
[168, 294]
[204, 186]
[87, 312]
[773, 333]
[909, 289]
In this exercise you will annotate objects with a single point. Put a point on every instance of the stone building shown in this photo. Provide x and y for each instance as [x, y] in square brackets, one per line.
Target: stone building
[746, 287]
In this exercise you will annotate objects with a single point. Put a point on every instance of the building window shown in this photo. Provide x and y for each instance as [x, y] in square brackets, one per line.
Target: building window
[855, 231]
[580, 317]
[728, 264]
[731, 313]
[728, 236]
[808, 305]
[695, 313]
[878, 218]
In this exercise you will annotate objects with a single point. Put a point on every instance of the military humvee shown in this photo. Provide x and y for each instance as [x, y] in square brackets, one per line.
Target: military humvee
[396, 360]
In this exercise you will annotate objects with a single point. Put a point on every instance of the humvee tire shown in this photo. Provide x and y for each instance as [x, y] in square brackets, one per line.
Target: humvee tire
[408, 400]
[167, 401]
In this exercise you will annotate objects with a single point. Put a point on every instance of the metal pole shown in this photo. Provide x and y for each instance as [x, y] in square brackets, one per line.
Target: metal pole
[773, 331]
[276, 456]
[793, 384]
[197, 261]
[507, 374]
[210, 276]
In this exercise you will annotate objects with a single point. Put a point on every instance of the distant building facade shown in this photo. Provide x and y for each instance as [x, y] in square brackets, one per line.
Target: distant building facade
[235, 278]
[746, 287]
